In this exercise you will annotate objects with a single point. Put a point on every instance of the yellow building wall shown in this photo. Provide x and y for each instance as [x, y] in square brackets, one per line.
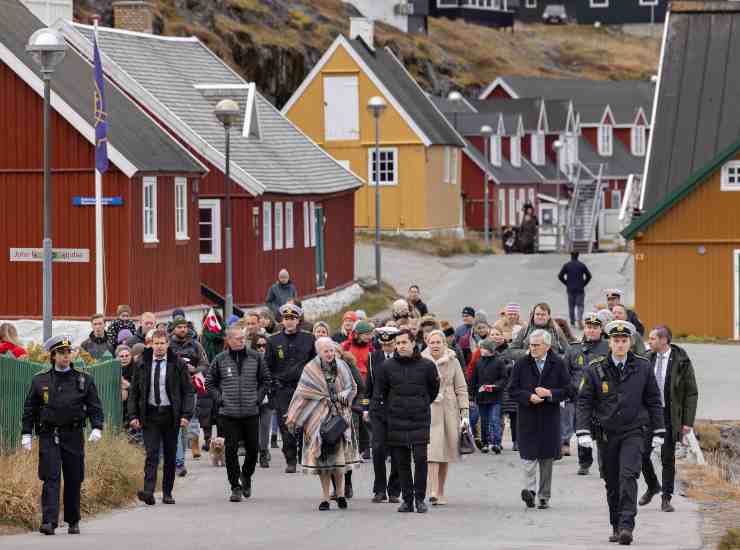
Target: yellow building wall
[443, 201]
[405, 206]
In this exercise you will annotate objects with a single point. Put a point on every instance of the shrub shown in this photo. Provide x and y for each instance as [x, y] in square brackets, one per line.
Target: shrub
[731, 540]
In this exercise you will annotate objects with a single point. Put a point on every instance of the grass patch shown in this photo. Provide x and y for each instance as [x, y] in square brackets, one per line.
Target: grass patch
[371, 302]
[731, 540]
[113, 471]
[443, 247]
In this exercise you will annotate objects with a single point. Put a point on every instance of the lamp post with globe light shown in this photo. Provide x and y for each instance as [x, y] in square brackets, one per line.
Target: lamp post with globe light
[376, 106]
[486, 131]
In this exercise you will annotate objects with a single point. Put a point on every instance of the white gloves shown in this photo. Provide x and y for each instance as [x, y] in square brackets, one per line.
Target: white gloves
[26, 442]
[464, 424]
[657, 442]
[95, 435]
[585, 441]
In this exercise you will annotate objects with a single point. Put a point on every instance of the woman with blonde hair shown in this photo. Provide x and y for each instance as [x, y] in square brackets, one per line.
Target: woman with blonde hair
[449, 415]
[9, 341]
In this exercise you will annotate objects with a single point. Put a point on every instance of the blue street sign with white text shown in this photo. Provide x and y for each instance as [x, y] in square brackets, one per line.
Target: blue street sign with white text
[90, 201]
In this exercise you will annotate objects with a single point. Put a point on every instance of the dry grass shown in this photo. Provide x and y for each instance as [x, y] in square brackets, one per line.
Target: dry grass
[113, 469]
[371, 302]
[731, 540]
[444, 247]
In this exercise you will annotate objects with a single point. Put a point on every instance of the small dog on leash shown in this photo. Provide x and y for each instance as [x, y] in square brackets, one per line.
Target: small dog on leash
[216, 452]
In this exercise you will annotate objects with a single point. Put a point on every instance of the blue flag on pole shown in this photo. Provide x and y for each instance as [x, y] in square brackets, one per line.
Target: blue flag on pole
[101, 116]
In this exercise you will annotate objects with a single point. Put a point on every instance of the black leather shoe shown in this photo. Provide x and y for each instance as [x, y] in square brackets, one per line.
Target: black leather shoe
[614, 537]
[528, 498]
[648, 496]
[46, 529]
[379, 497]
[342, 503]
[236, 494]
[264, 459]
[406, 506]
[324, 506]
[181, 471]
[167, 499]
[290, 469]
[394, 499]
[665, 505]
[73, 528]
[433, 501]
[246, 486]
[583, 471]
[348, 492]
[496, 449]
[543, 505]
[625, 537]
[273, 441]
[421, 507]
[146, 498]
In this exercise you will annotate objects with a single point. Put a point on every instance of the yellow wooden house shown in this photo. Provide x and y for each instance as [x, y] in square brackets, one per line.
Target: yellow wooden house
[419, 150]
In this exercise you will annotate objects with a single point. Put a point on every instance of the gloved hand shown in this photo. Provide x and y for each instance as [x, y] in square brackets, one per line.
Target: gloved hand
[95, 435]
[26, 442]
[585, 441]
[657, 442]
[464, 424]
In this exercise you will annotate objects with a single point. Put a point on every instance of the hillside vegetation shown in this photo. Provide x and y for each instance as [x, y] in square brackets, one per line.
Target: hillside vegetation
[276, 43]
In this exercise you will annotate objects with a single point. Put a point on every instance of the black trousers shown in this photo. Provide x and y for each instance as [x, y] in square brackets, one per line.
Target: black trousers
[67, 458]
[667, 459]
[160, 431]
[622, 463]
[585, 456]
[575, 306]
[382, 484]
[412, 487]
[235, 430]
[292, 443]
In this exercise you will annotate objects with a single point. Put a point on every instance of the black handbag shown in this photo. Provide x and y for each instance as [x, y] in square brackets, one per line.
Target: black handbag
[334, 425]
[467, 443]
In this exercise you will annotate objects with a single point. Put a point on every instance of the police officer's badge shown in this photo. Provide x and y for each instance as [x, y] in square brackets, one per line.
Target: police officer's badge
[280, 352]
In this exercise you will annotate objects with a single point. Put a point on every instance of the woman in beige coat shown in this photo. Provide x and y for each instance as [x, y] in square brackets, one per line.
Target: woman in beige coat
[449, 414]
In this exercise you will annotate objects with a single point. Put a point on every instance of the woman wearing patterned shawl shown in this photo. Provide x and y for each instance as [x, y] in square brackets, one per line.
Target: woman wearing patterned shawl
[311, 404]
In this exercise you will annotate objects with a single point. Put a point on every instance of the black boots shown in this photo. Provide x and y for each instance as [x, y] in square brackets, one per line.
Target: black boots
[625, 537]
[665, 505]
[264, 459]
[46, 529]
[73, 529]
[648, 496]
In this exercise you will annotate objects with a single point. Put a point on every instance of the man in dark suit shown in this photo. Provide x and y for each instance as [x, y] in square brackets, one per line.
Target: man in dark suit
[539, 383]
[161, 400]
[575, 276]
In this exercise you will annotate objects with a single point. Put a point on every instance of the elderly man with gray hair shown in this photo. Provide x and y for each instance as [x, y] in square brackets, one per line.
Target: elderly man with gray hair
[280, 292]
[539, 383]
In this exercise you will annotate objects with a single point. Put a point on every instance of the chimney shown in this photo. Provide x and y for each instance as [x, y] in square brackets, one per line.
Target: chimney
[360, 27]
[133, 15]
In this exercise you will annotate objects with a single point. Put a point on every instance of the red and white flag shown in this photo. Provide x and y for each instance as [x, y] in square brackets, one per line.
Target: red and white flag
[211, 323]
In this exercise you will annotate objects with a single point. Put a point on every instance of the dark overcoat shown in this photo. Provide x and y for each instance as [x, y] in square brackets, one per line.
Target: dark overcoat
[538, 426]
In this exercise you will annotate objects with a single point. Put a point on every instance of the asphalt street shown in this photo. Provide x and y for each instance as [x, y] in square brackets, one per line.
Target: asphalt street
[484, 512]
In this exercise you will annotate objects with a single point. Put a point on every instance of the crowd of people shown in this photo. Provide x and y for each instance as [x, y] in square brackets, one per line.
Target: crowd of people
[403, 391]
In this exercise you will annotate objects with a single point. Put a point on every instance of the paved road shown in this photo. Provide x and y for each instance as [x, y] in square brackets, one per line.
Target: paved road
[484, 512]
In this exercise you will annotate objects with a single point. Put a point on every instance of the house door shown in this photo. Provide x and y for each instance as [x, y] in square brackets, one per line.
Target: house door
[341, 108]
[548, 226]
[320, 243]
[736, 301]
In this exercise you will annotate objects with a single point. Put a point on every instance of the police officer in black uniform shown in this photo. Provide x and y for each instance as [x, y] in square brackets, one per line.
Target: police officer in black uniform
[286, 355]
[622, 392]
[57, 406]
[577, 358]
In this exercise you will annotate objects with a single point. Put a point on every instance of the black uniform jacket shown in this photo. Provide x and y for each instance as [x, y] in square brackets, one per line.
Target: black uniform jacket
[375, 405]
[287, 354]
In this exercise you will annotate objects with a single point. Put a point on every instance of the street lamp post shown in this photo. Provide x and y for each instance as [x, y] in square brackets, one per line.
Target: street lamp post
[456, 98]
[558, 147]
[486, 131]
[47, 47]
[227, 112]
[376, 106]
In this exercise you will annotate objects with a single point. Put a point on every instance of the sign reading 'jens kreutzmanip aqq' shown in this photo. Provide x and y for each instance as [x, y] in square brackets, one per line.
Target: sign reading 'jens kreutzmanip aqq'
[66, 255]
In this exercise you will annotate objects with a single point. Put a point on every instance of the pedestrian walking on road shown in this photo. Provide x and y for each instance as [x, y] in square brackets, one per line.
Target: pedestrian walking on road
[280, 292]
[679, 396]
[58, 405]
[238, 381]
[325, 391]
[449, 415]
[161, 401]
[575, 276]
[486, 387]
[539, 383]
[267, 410]
[407, 385]
[621, 391]
[414, 300]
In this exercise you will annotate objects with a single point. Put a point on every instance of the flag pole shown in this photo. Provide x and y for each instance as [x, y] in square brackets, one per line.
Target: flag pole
[99, 244]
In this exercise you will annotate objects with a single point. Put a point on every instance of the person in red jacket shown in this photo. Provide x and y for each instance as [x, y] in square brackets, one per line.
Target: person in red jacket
[9, 341]
[359, 344]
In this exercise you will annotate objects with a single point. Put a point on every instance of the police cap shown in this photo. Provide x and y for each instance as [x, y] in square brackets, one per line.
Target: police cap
[620, 328]
[592, 318]
[387, 334]
[58, 343]
[613, 292]
[291, 310]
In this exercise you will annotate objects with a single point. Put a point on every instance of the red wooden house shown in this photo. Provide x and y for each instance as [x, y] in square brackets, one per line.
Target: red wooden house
[154, 271]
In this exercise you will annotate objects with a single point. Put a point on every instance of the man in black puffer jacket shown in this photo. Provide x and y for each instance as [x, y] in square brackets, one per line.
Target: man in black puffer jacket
[238, 381]
[407, 385]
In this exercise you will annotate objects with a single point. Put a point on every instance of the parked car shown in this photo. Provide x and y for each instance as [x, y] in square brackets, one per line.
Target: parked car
[555, 14]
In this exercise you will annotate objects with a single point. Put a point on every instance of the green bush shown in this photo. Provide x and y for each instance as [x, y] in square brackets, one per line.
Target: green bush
[731, 540]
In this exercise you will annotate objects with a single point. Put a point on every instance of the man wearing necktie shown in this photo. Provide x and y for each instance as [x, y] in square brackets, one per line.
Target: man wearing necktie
[621, 391]
[678, 395]
[161, 401]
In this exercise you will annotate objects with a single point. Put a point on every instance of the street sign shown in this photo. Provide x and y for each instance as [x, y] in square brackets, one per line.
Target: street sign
[64, 255]
[90, 201]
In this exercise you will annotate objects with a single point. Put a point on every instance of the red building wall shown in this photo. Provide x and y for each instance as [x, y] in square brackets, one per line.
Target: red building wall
[498, 93]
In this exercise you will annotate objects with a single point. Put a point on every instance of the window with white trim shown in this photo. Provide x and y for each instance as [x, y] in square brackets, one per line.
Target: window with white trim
[388, 166]
[496, 150]
[512, 207]
[605, 138]
[209, 230]
[289, 227]
[599, 3]
[501, 207]
[312, 218]
[149, 202]
[530, 196]
[278, 226]
[530, 4]
[306, 226]
[516, 151]
[450, 168]
[649, 3]
[266, 226]
[730, 179]
[181, 209]
[520, 205]
[537, 143]
[638, 141]
[616, 199]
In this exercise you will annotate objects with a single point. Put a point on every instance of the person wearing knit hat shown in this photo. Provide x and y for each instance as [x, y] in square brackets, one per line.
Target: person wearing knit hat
[178, 313]
[121, 322]
[348, 321]
[512, 312]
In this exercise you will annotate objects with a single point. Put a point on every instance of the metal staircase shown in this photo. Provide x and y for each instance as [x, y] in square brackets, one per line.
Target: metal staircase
[585, 206]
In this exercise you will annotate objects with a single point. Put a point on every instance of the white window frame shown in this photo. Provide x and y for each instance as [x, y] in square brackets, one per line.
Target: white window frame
[496, 150]
[649, 3]
[181, 209]
[531, 196]
[537, 144]
[520, 204]
[289, 226]
[312, 218]
[371, 165]
[638, 144]
[266, 226]
[306, 226]
[278, 226]
[530, 4]
[453, 165]
[599, 3]
[730, 179]
[214, 205]
[605, 140]
[502, 207]
[512, 207]
[149, 224]
[515, 151]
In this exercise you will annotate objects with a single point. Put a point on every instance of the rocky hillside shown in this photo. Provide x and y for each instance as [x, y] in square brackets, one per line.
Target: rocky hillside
[276, 43]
